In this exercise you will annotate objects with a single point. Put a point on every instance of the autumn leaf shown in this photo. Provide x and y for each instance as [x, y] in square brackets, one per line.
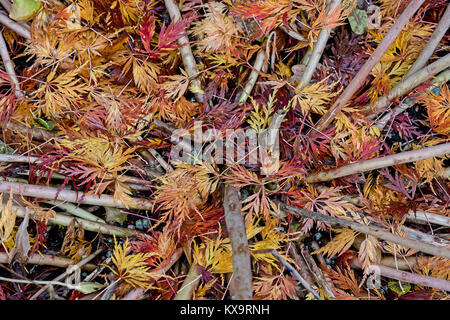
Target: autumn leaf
[175, 86]
[7, 221]
[368, 252]
[58, 92]
[339, 244]
[438, 109]
[313, 98]
[131, 268]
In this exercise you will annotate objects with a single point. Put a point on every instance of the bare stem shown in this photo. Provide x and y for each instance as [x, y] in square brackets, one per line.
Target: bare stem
[296, 274]
[185, 51]
[413, 81]
[241, 288]
[9, 66]
[376, 232]
[190, 283]
[443, 77]
[94, 226]
[362, 74]
[316, 271]
[36, 133]
[302, 266]
[75, 210]
[18, 28]
[319, 46]
[257, 67]
[438, 34]
[48, 260]
[382, 162]
[411, 277]
[69, 270]
[44, 192]
[428, 217]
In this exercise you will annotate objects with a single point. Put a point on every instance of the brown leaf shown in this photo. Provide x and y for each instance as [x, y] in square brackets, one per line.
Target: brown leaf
[21, 247]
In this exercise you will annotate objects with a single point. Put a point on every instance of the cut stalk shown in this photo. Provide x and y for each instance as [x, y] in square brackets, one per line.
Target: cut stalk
[362, 74]
[65, 220]
[44, 192]
[241, 288]
[438, 34]
[382, 162]
[319, 46]
[185, 50]
[376, 232]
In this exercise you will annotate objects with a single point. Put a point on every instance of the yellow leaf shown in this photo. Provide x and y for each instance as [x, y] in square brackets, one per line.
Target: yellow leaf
[339, 244]
[131, 268]
[7, 220]
[122, 193]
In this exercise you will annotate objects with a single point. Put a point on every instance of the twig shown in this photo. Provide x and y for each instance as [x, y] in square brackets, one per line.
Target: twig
[319, 46]
[316, 271]
[405, 263]
[382, 162]
[413, 81]
[18, 158]
[69, 270]
[9, 66]
[274, 127]
[44, 192]
[131, 181]
[48, 260]
[427, 238]
[36, 133]
[109, 290]
[410, 277]
[163, 163]
[427, 51]
[75, 210]
[251, 81]
[18, 28]
[190, 283]
[185, 50]
[362, 74]
[376, 232]
[442, 77]
[65, 220]
[40, 282]
[302, 266]
[423, 217]
[294, 34]
[296, 274]
[241, 288]
[326, 283]
[418, 216]
[6, 4]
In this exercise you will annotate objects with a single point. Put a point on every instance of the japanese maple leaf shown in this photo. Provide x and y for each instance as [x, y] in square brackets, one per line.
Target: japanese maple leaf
[146, 32]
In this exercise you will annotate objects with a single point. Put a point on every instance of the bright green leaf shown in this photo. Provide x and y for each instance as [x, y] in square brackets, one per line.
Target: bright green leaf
[22, 10]
[89, 287]
[394, 286]
[358, 20]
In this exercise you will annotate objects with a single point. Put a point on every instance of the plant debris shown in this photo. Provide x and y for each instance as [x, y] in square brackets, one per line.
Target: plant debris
[211, 150]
